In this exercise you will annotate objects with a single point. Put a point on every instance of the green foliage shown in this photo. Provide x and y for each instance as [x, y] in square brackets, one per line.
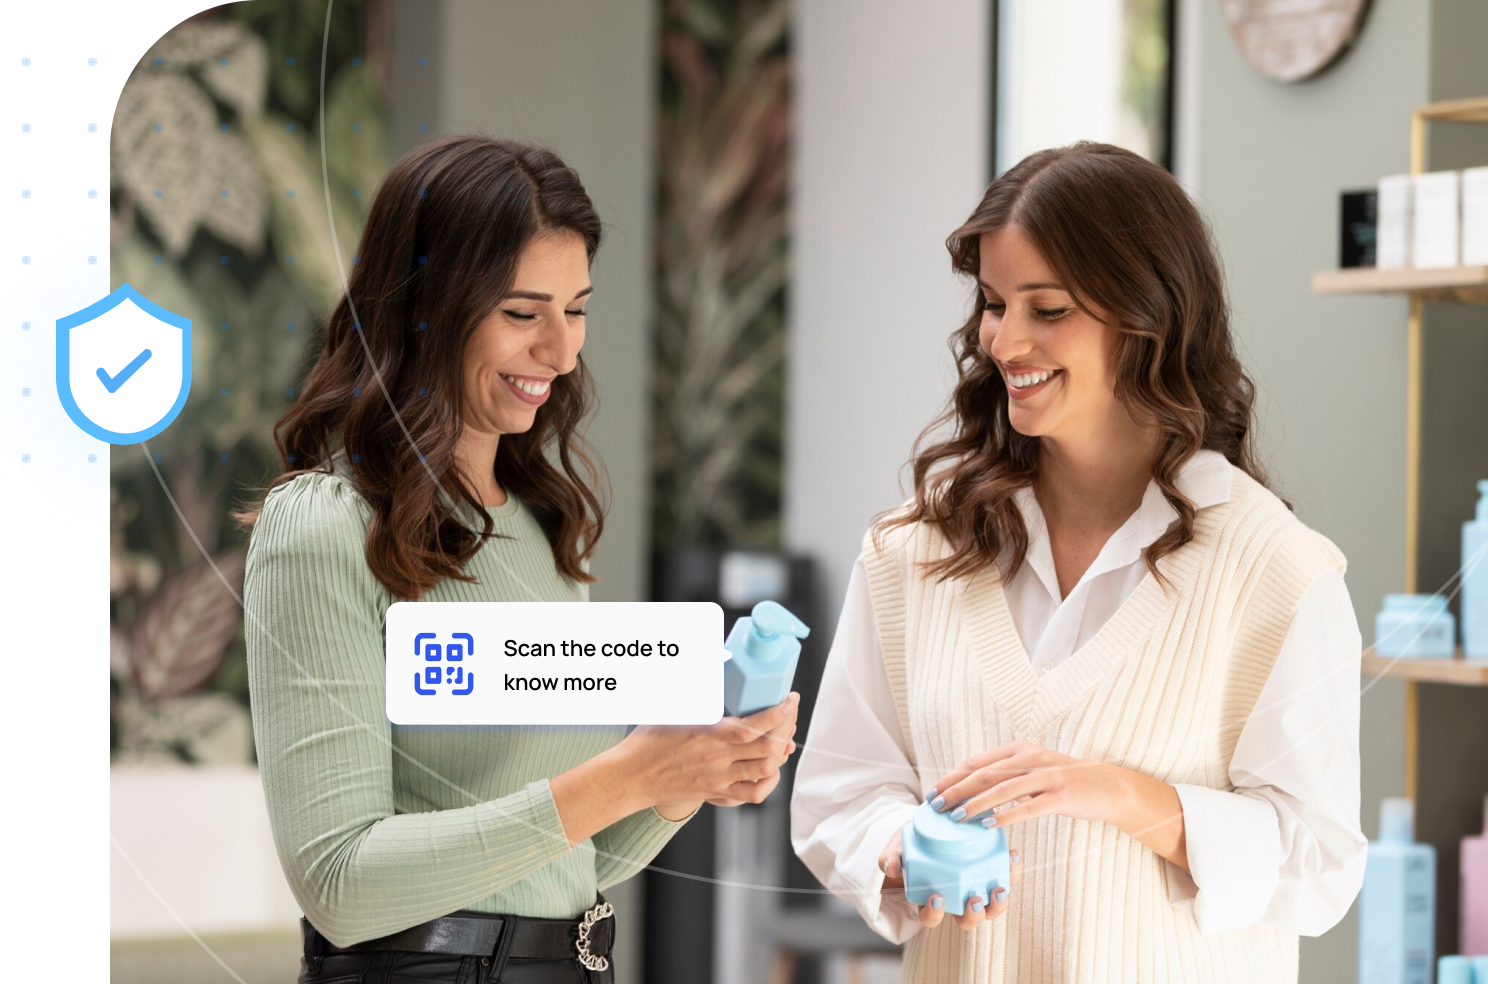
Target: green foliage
[1144, 77]
[173, 636]
[721, 269]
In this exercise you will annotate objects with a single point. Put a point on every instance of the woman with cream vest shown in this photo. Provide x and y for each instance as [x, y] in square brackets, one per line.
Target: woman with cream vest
[1095, 617]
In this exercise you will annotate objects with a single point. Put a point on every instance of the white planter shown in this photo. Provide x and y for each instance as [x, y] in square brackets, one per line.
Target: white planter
[199, 836]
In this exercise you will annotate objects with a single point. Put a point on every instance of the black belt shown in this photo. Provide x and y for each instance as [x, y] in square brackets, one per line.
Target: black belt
[480, 934]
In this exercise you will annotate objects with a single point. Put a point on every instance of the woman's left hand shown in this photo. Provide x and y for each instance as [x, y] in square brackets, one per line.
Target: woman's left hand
[1042, 781]
[755, 791]
[1045, 782]
[747, 790]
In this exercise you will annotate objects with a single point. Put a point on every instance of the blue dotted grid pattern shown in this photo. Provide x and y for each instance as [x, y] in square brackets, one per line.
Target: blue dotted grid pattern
[48, 496]
[54, 478]
[61, 238]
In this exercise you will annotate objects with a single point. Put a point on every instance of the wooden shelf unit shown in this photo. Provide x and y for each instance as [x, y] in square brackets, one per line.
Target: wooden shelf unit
[1454, 691]
[1464, 672]
[1466, 285]
[1460, 284]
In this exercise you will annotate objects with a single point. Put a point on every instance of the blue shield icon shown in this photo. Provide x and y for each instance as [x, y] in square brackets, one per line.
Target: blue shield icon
[123, 366]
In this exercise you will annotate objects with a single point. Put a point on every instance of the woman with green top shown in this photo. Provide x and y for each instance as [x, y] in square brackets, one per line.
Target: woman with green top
[433, 454]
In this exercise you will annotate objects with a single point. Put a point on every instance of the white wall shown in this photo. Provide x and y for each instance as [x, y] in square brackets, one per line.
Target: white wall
[189, 855]
[578, 78]
[891, 145]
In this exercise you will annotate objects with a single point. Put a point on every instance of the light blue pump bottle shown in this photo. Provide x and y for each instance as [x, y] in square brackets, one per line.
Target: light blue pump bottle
[764, 648]
[952, 859]
[1454, 969]
[1397, 908]
[1475, 582]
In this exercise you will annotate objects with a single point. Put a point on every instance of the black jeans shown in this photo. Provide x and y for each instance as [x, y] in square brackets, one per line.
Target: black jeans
[527, 951]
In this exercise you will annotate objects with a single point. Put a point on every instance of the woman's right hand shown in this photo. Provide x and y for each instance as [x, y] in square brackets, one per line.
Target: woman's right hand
[737, 760]
[891, 863]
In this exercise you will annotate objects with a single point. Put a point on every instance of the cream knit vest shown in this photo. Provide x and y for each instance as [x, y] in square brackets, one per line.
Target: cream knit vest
[1163, 688]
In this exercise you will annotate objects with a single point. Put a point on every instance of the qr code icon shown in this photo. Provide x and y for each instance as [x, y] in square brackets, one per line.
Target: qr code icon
[444, 664]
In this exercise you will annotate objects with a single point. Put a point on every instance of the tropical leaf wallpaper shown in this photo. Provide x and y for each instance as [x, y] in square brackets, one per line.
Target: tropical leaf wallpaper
[220, 213]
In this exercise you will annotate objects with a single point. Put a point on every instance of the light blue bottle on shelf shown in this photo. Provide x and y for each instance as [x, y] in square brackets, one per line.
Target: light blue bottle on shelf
[955, 860]
[1454, 969]
[1397, 908]
[1415, 625]
[1475, 582]
[764, 648]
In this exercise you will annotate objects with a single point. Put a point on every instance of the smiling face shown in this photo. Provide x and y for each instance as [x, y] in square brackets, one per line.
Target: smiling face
[532, 337]
[1057, 360]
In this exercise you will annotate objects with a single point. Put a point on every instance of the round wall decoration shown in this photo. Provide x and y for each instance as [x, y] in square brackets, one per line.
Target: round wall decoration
[1290, 40]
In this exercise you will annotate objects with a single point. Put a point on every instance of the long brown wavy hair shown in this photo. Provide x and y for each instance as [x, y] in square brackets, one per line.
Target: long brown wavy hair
[439, 251]
[1125, 238]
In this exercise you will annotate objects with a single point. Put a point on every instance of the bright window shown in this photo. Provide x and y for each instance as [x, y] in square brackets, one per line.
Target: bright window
[1070, 70]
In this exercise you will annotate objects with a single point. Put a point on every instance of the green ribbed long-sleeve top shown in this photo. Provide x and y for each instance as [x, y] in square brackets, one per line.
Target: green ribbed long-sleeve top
[379, 826]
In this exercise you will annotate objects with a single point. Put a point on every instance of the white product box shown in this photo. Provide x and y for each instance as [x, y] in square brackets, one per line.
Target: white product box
[1475, 216]
[1436, 238]
[1392, 247]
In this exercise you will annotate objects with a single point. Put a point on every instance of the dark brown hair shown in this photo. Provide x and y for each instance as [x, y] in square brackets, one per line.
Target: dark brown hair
[439, 252]
[1125, 238]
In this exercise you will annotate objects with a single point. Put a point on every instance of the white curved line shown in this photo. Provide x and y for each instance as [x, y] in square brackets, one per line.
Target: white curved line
[82, 249]
[341, 268]
[182, 922]
[403, 754]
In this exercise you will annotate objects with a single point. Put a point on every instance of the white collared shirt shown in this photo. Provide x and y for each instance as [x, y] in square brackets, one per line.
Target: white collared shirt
[1282, 848]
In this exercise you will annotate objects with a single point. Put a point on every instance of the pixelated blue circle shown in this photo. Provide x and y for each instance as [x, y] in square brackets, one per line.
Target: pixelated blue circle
[54, 478]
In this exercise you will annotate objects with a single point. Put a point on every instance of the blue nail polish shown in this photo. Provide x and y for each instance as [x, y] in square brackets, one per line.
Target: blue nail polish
[931, 793]
[976, 905]
[989, 821]
[959, 814]
[937, 902]
[937, 803]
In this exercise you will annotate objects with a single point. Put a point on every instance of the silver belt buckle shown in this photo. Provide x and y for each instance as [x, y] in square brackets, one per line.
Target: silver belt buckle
[601, 910]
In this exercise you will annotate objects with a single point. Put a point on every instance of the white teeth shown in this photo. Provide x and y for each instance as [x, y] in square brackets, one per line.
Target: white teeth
[527, 386]
[1026, 379]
